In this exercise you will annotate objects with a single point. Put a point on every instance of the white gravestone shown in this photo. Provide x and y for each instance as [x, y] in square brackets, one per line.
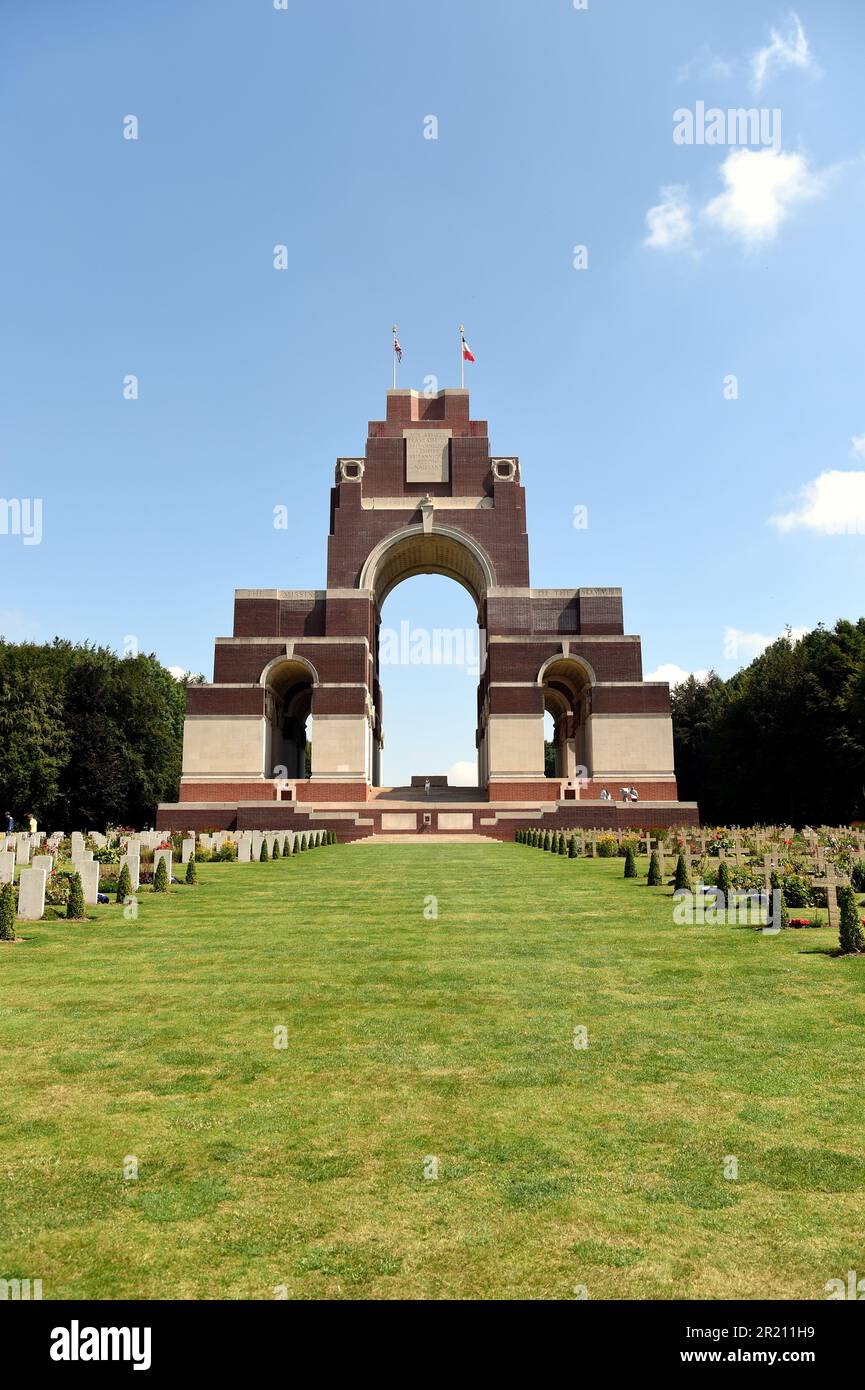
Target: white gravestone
[133, 863]
[43, 861]
[7, 867]
[89, 873]
[162, 854]
[31, 894]
[187, 850]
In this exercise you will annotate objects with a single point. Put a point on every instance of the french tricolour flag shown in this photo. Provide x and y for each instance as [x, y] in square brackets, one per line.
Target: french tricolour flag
[468, 355]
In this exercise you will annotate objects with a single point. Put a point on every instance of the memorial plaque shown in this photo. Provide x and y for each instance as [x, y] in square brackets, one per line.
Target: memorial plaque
[427, 456]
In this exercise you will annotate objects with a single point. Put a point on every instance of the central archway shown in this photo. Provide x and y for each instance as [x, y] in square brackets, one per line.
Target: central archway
[425, 549]
[428, 550]
[428, 663]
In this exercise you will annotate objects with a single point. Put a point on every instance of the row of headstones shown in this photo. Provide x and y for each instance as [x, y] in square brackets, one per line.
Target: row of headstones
[831, 880]
[32, 880]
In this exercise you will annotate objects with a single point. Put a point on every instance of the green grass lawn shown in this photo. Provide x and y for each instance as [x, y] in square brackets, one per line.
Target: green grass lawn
[411, 1038]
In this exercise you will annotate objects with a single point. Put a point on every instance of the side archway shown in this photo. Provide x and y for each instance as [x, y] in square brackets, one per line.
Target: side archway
[567, 683]
[289, 683]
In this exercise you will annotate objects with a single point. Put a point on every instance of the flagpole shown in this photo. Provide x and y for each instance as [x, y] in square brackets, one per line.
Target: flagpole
[462, 361]
[393, 355]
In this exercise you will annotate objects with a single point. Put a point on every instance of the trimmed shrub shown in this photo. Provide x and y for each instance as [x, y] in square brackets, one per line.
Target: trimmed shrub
[723, 881]
[563, 849]
[191, 874]
[160, 878]
[7, 912]
[304, 843]
[263, 853]
[124, 884]
[296, 848]
[683, 882]
[653, 877]
[572, 847]
[75, 909]
[276, 852]
[850, 937]
[630, 864]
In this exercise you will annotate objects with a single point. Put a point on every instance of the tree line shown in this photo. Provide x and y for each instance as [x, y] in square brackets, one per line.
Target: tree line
[783, 740]
[87, 738]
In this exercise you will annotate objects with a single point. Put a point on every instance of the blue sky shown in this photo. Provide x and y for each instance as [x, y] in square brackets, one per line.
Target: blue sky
[305, 127]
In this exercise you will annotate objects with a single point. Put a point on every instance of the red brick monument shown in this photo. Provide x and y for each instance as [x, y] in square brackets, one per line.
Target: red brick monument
[427, 497]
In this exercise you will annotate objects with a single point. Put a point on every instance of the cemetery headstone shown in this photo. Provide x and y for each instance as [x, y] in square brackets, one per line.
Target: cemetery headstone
[89, 872]
[831, 882]
[31, 894]
[166, 855]
[133, 863]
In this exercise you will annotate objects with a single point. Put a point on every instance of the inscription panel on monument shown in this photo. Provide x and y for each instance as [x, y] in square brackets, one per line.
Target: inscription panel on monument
[427, 456]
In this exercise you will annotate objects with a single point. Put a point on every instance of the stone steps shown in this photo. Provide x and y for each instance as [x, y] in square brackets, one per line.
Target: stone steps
[432, 838]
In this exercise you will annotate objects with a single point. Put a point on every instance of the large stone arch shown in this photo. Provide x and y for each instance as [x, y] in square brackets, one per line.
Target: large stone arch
[410, 551]
[439, 550]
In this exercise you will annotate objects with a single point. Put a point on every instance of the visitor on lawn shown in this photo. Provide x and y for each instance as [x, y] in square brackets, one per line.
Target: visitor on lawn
[31, 823]
[10, 824]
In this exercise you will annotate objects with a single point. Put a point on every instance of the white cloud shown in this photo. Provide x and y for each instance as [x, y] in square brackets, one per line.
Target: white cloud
[673, 674]
[670, 223]
[745, 646]
[858, 450]
[463, 774]
[705, 64]
[178, 672]
[788, 50]
[761, 189]
[832, 504]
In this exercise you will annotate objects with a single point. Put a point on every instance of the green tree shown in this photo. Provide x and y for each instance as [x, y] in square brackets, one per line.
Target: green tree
[630, 863]
[124, 884]
[191, 871]
[683, 881]
[75, 908]
[160, 878]
[549, 758]
[263, 854]
[653, 878]
[724, 881]
[7, 912]
[850, 936]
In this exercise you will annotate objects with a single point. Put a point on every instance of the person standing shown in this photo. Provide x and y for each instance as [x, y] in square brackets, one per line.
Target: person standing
[10, 824]
[31, 823]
